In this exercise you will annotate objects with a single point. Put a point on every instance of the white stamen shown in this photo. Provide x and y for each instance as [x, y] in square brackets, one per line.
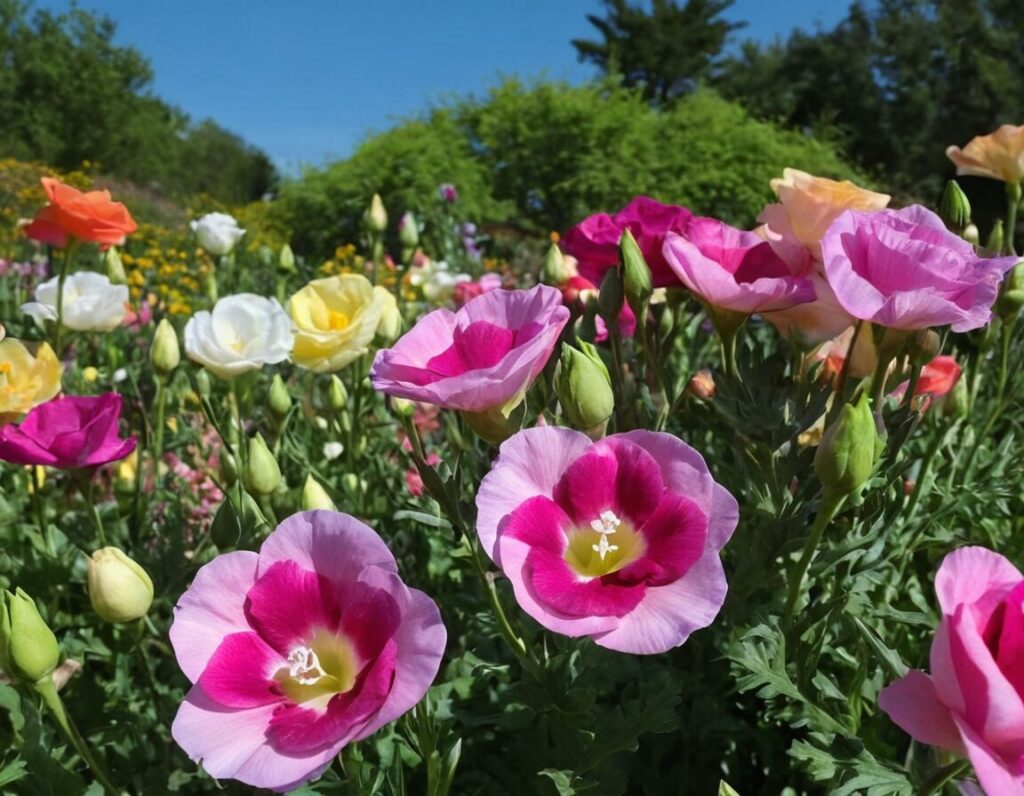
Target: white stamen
[607, 524]
[304, 666]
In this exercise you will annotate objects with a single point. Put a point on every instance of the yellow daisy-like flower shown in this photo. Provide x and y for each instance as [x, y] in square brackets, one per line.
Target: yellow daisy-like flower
[335, 320]
[26, 380]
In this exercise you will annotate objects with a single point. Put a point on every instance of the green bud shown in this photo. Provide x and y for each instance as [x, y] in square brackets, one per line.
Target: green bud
[957, 401]
[848, 450]
[402, 407]
[28, 648]
[376, 218]
[280, 401]
[971, 235]
[636, 275]
[1010, 303]
[995, 237]
[228, 468]
[584, 388]
[226, 528]
[165, 353]
[954, 208]
[337, 395]
[556, 270]
[114, 267]
[610, 297]
[350, 482]
[262, 475]
[315, 496]
[408, 231]
[119, 589]
[286, 259]
[203, 385]
[923, 346]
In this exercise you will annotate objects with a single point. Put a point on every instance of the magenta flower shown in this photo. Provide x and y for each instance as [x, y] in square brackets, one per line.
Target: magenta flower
[70, 433]
[294, 652]
[594, 242]
[734, 270]
[903, 269]
[483, 356]
[973, 702]
[617, 540]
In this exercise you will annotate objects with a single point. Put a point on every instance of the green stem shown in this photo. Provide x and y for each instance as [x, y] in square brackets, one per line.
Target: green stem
[938, 780]
[515, 643]
[37, 510]
[84, 478]
[915, 377]
[58, 333]
[830, 505]
[158, 432]
[48, 692]
[1012, 203]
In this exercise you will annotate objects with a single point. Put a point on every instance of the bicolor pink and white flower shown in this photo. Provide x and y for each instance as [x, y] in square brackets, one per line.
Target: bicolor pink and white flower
[298, 650]
[483, 356]
[972, 703]
[618, 540]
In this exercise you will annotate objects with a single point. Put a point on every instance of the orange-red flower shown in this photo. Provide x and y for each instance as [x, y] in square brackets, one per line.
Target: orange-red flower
[87, 216]
[999, 155]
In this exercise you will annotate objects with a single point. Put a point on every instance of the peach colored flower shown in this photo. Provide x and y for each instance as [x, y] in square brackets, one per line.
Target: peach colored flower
[999, 155]
[90, 216]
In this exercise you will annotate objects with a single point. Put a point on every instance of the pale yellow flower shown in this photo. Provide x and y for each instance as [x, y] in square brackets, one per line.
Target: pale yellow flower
[335, 319]
[999, 155]
[26, 380]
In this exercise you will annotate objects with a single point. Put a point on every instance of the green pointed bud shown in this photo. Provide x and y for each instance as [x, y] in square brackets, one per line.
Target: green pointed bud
[610, 297]
[995, 237]
[337, 395]
[114, 267]
[958, 400]
[376, 218]
[636, 275]
[1010, 303]
[226, 528]
[350, 482]
[286, 260]
[119, 589]
[584, 388]
[923, 346]
[262, 475]
[28, 648]
[203, 386]
[971, 235]
[402, 407]
[280, 401]
[408, 231]
[228, 468]
[954, 208]
[848, 449]
[165, 353]
[315, 496]
[556, 270]
[725, 789]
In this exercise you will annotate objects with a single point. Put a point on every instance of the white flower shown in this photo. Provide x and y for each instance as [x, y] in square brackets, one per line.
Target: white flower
[332, 450]
[243, 333]
[217, 233]
[91, 302]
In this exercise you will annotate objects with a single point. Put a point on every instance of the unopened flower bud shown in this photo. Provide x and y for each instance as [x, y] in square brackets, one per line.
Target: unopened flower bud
[636, 275]
[350, 482]
[228, 468]
[119, 589]
[402, 407]
[389, 327]
[286, 260]
[315, 496]
[203, 386]
[610, 297]
[848, 449]
[954, 208]
[702, 385]
[280, 401]
[28, 648]
[971, 235]
[262, 474]
[337, 395]
[114, 267]
[376, 218]
[165, 353]
[408, 231]
[995, 237]
[957, 400]
[584, 388]
[556, 270]
[923, 346]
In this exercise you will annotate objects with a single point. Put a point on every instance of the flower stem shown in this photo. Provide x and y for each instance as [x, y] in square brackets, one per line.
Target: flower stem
[84, 479]
[48, 692]
[938, 780]
[58, 333]
[830, 505]
[1012, 203]
[158, 432]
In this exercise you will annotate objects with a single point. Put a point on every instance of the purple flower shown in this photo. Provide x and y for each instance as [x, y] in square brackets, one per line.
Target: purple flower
[903, 269]
[483, 356]
[734, 270]
[446, 191]
[618, 540]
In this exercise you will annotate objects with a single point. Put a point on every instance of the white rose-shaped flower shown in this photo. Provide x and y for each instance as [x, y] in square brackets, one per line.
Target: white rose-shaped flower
[243, 333]
[91, 302]
[217, 233]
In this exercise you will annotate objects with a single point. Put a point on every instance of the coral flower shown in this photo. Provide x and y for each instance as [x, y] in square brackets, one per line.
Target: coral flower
[298, 650]
[594, 242]
[937, 378]
[999, 155]
[70, 433]
[484, 356]
[903, 269]
[972, 703]
[89, 216]
[26, 380]
[617, 540]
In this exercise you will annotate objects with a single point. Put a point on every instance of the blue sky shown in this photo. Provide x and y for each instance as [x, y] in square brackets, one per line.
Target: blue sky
[305, 80]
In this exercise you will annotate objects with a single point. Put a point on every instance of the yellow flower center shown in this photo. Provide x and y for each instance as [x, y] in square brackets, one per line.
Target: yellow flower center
[336, 321]
[607, 545]
[315, 672]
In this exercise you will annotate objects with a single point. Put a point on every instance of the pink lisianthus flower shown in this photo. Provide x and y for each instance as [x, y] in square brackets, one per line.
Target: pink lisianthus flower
[465, 292]
[972, 703]
[903, 269]
[618, 540]
[70, 433]
[483, 356]
[734, 270]
[298, 650]
[594, 242]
